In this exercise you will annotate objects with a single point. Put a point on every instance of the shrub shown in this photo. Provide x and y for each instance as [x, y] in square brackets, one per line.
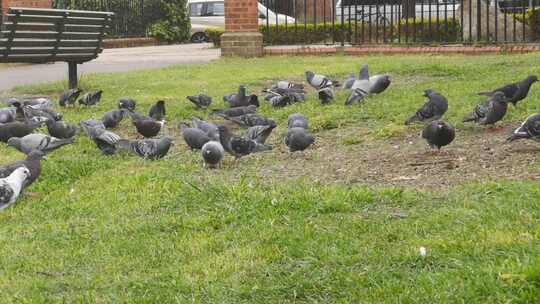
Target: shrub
[532, 17]
[214, 35]
[427, 30]
[175, 26]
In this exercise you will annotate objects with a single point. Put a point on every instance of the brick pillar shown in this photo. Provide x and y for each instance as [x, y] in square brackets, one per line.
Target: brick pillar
[242, 36]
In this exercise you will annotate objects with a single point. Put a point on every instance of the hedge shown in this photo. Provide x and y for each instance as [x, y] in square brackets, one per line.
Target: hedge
[320, 33]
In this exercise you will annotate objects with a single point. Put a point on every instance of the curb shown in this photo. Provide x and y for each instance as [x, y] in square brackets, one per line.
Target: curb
[129, 42]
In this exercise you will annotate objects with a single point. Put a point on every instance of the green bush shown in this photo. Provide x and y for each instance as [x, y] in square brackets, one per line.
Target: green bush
[533, 21]
[175, 25]
[355, 33]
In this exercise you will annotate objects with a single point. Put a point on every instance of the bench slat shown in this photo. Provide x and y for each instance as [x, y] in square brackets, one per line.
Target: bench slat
[47, 58]
[51, 35]
[50, 43]
[52, 27]
[45, 51]
[56, 19]
[57, 12]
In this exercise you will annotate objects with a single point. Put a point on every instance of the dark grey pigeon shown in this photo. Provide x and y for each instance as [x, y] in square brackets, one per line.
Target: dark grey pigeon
[38, 141]
[11, 186]
[438, 134]
[529, 129]
[127, 103]
[260, 133]
[60, 129]
[235, 145]
[112, 118]
[8, 114]
[200, 100]
[326, 95]
[298, 139]
[235, 112]
[280, 101]
[514, 92]
[209, 128]
[433, 109]
[17, 129]
[293, 95]
[241, 99]
[297, 120]
[146, 127]
[490, 111]
[347, 84]
[250, 120]
[318, 81]
[32, 114]
[91, 98]
[195, 138]
[379, 83]
[106, 141]
[69, 97]
[148, 148]
[212, 153]
[32, 162]
[157, 111]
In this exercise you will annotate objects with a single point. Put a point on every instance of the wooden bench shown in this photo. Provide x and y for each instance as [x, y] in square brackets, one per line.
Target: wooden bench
[49, 35]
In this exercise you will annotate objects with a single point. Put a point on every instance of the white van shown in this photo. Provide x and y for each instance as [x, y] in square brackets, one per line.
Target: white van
[205, 14]
[389, 11]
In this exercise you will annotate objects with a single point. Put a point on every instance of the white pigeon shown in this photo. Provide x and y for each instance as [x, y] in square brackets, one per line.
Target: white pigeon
[10, 187]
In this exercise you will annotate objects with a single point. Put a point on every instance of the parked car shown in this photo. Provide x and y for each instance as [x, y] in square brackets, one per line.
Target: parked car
[387, 11]
[205, 14]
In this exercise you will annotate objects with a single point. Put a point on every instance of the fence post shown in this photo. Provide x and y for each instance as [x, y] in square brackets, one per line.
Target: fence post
[242, 36]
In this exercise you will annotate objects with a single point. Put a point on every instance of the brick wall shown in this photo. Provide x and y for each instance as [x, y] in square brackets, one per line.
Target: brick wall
[241, 15]
[25, 3]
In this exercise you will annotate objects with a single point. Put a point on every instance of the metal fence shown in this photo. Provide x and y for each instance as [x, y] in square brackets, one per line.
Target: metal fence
[399, 21]
[132, 17]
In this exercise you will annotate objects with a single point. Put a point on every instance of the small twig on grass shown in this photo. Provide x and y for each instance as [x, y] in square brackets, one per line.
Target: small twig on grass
[441, 161]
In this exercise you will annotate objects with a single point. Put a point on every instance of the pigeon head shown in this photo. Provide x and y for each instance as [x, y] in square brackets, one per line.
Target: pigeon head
[309, 75]
[126, 103]
[36, 155]
[160, 103]
[22, 172]
[428, 92]
[254, 100]
[14, 142]
[532, 78]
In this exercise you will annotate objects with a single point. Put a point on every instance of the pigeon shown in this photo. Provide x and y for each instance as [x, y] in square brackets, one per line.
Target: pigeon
[40, 115]
[347, 84]
[318, 81]
[11, 186]
[280, 101]
[157, 111]
[433, 109]
[438, 134]
[241, 99]
[293, 95]
[286, 85]
[154, 148]
[69, 97]
[106, 141]
[37, 141]
[250, 120]
[514, 92]
[8, 114]
[297, 120]
[127, 103]
[32, 162]
[209, 128]
[490, 111]
[212, 153]
[326, 95]
[40, 103]
[112, 118]
[360, 87]
[200, 100]
[17, 129]
[145, 126]
[60, 129]
[239, 146]
[379, 83]
[529, 129]
[298, 139]
[91, 98]
[260, 133]
[235, 112]
[195, 138]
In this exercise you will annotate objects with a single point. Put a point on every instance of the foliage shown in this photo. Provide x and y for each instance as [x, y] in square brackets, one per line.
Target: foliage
[533, 20]
[428, 30]
[214, 35]
[175, 25]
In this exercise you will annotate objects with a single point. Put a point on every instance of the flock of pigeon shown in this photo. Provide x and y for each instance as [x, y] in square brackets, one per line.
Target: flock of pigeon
[20, 119]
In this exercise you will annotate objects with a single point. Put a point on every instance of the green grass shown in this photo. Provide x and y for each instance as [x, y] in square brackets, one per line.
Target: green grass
[120, 229]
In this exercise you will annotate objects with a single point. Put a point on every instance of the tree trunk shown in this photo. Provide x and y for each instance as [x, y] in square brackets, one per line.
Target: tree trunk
[482, 22]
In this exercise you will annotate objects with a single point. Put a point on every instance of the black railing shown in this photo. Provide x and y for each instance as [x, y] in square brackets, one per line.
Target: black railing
[399, 21]
[132, 17]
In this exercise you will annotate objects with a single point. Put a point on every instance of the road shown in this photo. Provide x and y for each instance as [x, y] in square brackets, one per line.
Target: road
[111, 60]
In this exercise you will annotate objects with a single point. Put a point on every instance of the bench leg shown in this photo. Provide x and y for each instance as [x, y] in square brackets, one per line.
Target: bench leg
[72, 72]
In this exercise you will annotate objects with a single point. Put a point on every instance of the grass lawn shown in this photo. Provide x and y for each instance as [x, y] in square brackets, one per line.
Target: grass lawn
[341, 223]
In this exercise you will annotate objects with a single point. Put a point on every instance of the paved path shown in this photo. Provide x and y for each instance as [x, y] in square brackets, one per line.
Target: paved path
[111, 60]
